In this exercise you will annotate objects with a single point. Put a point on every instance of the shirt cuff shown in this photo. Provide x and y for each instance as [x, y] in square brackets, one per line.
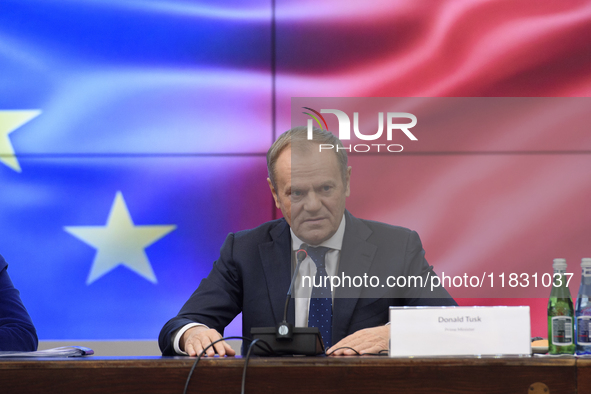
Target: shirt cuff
[178, 335]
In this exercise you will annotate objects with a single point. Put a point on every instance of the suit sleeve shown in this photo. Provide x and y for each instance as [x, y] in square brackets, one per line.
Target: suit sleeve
[420, 293]
[215, 303]
[17, 332]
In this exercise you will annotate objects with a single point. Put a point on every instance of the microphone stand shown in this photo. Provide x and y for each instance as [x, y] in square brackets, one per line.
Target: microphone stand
[285, 339]
[285, 329]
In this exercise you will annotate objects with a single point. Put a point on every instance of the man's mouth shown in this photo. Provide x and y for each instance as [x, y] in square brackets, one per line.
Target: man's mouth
[313, 220]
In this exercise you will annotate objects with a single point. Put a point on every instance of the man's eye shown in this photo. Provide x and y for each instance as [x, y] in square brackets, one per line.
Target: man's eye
[326, 188]
[297, 193]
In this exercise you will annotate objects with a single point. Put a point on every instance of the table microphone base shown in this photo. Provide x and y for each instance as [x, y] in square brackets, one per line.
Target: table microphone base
[305, 341]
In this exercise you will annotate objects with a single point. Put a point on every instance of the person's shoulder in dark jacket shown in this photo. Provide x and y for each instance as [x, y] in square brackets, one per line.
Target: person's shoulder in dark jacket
[381, 227]
[17, 332]
[262, 231]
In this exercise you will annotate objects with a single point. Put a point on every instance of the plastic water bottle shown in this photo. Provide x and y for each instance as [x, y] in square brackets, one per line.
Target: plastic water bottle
[583, 310]
[560, 313]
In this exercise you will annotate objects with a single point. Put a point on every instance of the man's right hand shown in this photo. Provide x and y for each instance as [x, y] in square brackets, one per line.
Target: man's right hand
[195, 339]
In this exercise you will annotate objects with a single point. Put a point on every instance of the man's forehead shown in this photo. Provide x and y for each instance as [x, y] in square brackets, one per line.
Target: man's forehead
[314, 168]
[303, 182]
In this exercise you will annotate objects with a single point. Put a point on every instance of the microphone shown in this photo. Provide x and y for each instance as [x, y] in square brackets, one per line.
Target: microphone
[285, 329]
[285, 339]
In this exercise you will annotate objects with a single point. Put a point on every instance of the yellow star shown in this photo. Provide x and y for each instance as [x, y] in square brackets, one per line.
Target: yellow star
[10, 121]
[120, 242]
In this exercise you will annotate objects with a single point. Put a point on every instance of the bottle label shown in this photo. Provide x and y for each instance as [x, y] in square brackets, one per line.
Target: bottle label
[586, 272]
[562, 330]
[583, 323]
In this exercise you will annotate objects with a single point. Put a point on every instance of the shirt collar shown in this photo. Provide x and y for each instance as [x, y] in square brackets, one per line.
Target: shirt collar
[334, 242]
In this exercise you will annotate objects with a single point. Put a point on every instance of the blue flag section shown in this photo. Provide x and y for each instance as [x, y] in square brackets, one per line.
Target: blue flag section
[107, 249]
[132, 140]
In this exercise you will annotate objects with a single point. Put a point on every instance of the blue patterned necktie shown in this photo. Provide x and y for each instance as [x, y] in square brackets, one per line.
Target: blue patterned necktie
[320, 314]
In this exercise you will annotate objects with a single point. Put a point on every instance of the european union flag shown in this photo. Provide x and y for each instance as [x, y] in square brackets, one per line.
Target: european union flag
[132, 141]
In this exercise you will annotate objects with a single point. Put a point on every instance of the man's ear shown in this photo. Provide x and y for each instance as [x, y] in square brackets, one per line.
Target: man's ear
[273, 192]
[348, 182]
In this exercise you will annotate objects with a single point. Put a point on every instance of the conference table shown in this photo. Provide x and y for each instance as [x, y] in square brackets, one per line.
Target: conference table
[285, 375]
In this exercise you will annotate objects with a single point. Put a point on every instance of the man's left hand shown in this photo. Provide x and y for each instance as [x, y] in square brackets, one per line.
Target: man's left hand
[369, 340]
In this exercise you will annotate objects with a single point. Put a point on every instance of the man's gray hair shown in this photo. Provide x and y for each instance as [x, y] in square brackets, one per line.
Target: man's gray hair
[300, 134]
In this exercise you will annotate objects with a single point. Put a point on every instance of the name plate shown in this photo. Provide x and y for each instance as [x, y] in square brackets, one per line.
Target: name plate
[460, 330]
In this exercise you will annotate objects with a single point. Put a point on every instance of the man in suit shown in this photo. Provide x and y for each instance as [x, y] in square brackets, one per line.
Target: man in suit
[17, 332]
[253, 273]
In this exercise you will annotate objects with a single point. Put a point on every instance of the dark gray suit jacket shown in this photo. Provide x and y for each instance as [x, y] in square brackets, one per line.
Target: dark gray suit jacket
[17, 332]
[253, 273]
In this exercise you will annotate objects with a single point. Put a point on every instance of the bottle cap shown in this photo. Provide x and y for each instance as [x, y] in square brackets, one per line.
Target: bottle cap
[586, 262]
[559, 264]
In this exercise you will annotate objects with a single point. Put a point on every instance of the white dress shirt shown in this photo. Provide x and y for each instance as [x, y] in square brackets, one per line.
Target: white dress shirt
[308, 268]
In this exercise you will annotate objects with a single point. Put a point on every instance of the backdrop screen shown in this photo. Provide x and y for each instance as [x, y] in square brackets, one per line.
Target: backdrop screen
[133, 137]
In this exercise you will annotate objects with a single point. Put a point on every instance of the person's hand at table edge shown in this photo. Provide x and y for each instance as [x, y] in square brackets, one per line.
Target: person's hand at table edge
[195, 339]
[369, 340]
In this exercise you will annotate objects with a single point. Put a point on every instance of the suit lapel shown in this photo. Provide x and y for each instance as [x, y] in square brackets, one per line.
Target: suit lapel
[276, 259]
[355, 259]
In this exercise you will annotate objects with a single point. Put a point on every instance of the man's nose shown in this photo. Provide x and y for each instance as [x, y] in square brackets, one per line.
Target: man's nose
[313, 202]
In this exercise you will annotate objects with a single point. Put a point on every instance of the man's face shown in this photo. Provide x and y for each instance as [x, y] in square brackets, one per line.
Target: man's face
[310, 192]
